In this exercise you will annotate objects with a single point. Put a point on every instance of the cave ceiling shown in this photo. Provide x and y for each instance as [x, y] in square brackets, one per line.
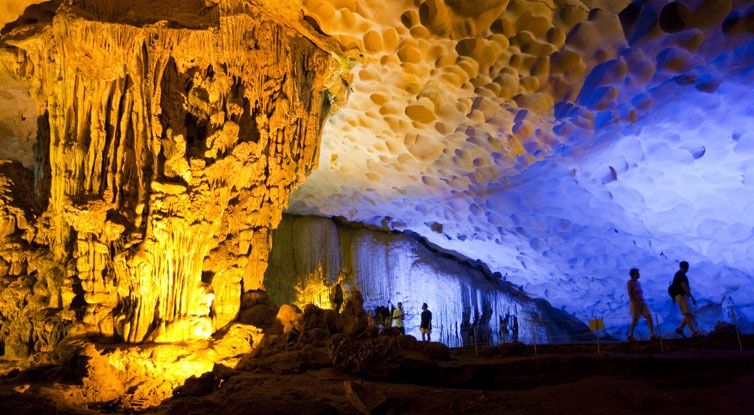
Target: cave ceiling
[558, 142]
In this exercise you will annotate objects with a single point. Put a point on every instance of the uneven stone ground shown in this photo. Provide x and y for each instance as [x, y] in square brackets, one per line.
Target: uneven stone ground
[702, 376]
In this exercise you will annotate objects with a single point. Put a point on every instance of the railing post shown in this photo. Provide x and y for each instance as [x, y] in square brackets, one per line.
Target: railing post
[735, 326]
[534, 334]
[597, 333]
[657, 333]
[476, 343]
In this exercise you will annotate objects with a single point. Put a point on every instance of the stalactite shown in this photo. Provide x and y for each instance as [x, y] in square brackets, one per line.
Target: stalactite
[171, 154]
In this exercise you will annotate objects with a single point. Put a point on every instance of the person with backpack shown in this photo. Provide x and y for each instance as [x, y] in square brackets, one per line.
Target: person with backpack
[681, 292]
[638, 305]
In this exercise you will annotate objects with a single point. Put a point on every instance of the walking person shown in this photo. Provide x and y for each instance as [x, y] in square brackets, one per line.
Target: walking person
[638, 305]
[398, 319]
[426, 323]
[682, 294]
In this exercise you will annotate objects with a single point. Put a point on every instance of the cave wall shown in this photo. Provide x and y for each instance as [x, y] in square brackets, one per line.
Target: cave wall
[310, 255]
[164, 155]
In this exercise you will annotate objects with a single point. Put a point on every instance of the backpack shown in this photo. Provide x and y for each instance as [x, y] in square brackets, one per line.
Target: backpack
[672, 291]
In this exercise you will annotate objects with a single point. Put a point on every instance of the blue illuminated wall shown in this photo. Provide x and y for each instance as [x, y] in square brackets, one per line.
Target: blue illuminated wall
[466, 301]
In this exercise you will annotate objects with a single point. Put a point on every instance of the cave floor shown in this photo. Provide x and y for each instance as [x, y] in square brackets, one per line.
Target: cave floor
[704, 376]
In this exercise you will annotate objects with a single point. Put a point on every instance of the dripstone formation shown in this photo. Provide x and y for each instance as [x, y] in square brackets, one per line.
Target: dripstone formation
[166, 147]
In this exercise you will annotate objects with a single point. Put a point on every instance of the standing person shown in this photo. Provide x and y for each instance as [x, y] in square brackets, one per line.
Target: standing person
[337, 296]
[504, 323]
[370, 319]
[398, 319]
[426, 324]
[638, 305]
[682, 295]
[514, 335]
[381, 315]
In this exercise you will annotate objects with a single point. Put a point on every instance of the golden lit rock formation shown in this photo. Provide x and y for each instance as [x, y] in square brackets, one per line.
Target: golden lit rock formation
[168, 140]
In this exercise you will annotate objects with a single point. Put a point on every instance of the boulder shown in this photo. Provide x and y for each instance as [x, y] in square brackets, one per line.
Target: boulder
[289, 317]
[366, 397]
[317, 318]
[251, 298]
[435, 350]
[259, 315]
[354, 317]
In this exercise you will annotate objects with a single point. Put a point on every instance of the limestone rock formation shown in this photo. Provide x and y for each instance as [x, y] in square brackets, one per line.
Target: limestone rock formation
[169, 137]
[310, 255]
[559, 141]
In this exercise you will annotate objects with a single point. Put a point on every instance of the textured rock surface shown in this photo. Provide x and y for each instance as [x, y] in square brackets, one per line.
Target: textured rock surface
[10, 10]
[562, 142]
[310, 255]
[168, 141]
[559, 141]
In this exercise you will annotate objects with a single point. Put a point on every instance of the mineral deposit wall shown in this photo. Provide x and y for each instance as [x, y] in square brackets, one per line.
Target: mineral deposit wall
[167, 143]
[310, 255]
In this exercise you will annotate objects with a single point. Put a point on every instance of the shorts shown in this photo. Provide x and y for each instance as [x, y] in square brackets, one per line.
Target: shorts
[639, 309]
[683, 304]
[425, 330]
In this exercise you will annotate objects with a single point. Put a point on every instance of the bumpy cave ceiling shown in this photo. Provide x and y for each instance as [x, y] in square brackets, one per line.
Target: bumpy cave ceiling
[559, 142]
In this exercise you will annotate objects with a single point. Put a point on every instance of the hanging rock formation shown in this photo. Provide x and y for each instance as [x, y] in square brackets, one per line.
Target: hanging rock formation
[167, 145]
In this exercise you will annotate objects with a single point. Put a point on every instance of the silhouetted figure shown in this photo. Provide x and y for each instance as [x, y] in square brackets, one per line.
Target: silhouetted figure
[682, 294]
[398, 318]
[337, 297]
[504, 324]
[638, 305]
[382, 316]
[426, 323]
[514, 335]
[370, 319]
